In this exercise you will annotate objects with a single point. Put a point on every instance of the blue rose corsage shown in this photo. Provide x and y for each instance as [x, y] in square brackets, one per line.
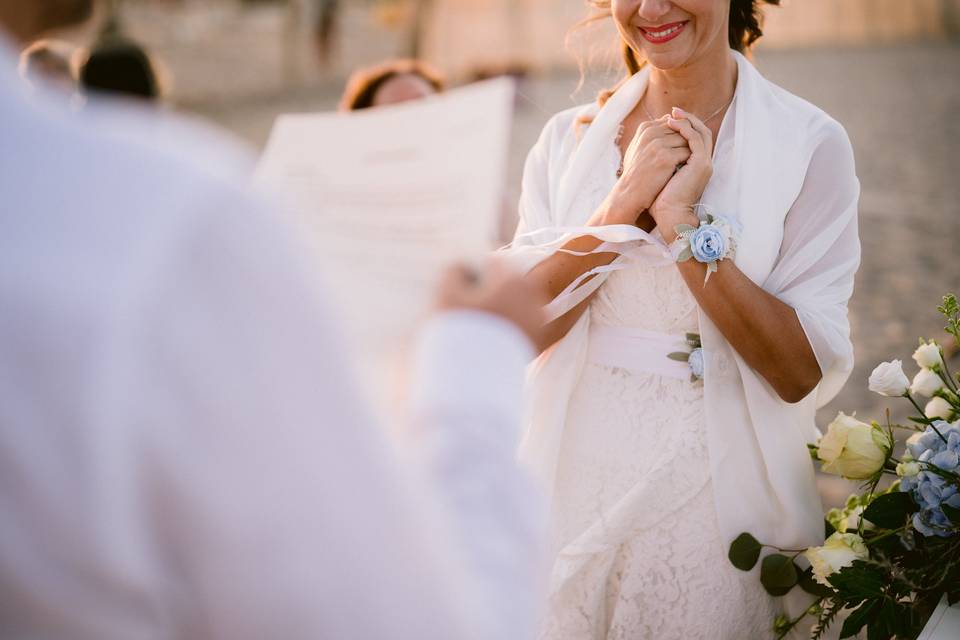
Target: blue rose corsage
[693, 358]
[714, 240]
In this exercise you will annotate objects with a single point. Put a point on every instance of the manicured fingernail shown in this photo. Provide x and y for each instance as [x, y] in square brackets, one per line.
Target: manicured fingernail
[678, 112]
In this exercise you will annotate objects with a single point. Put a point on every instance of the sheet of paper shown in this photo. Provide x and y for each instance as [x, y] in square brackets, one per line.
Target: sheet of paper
[944, 624]
[389, 196]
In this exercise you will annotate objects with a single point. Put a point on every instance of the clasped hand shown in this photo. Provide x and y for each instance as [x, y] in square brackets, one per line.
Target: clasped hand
[665, 170]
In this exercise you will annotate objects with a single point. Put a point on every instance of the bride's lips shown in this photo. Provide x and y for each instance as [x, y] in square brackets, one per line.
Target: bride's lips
[663, 33]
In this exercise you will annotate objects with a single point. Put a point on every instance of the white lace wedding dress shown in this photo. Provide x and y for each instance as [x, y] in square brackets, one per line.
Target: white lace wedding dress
[641, 555]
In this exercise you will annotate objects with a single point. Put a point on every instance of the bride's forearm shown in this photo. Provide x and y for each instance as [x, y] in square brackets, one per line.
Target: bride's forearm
[764, 330]
[554, 274]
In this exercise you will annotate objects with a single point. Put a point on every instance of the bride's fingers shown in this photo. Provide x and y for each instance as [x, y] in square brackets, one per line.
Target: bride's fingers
[698, 125]
[693, 137]
[674, 140]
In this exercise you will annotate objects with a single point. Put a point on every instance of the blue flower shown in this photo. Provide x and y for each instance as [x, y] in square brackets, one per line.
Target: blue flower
[931, 490]
[931, 522]
[708, 243]
[696, 363]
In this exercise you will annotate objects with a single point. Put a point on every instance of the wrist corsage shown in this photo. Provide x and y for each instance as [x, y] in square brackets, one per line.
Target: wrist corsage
[715, 239]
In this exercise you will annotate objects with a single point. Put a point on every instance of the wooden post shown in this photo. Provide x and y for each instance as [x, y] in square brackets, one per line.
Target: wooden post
[418, 27]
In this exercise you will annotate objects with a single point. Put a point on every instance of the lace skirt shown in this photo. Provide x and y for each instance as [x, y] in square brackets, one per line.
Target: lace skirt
[640, 554]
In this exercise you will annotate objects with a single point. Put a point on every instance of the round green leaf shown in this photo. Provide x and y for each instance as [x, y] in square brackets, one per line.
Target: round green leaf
[744, 552]
[778, 574]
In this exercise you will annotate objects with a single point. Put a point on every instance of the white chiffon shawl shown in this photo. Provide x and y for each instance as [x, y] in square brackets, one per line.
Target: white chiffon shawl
[785, 170]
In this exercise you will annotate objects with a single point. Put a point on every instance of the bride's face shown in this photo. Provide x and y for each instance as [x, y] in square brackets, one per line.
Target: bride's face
[672, 33]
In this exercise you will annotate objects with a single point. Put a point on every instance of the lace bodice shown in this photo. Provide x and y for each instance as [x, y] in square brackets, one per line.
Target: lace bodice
[654, 298]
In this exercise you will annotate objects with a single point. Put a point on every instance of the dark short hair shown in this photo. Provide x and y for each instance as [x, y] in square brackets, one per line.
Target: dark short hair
[120, 66]
[363, 85]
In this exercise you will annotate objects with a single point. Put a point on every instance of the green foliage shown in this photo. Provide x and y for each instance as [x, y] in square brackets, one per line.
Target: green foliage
[860, 616]
[951, 311]
[811, 586]
[778, 574]
[952, 513]
[891, 510]
[858, 582]
[744, 552]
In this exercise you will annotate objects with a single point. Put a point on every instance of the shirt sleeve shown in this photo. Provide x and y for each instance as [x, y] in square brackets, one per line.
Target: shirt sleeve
[284, 510]
[465, 407]
[820, 254]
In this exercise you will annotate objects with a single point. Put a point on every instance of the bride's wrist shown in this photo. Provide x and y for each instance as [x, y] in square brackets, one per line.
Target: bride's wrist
[667, 219]
[616, 211]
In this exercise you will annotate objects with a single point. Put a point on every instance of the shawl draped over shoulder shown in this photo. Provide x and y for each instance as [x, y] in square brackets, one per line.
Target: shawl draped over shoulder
[788, 177]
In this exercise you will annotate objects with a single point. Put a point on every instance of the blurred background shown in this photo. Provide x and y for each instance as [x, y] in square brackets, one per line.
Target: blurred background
[888, 70]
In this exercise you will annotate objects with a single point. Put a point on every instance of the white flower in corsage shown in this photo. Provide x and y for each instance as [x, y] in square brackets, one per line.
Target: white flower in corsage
[888, 379]
[693, 358]
[853, 449]
[840, 550]
[714, 240]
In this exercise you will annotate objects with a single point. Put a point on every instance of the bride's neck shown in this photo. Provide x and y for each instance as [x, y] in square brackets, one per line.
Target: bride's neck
[700, 88]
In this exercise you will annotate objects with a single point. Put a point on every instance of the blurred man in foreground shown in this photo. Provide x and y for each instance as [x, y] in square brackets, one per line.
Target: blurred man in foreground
[183, 451]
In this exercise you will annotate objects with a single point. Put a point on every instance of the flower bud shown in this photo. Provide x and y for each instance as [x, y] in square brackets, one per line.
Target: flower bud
[927, 355]
[926, 383]
[938, 408]
[888, 379]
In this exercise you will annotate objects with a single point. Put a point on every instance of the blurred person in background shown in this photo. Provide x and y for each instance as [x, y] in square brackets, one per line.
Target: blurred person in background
[672, 413]
[48, 62]
[391, 82]
[184, 452]
[119, 67]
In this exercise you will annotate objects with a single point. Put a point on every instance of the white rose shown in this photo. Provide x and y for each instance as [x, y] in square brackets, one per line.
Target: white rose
[853, 449]
[927, 355]
[926, 383]
[888, 379]
[840, 550]
[938, 408]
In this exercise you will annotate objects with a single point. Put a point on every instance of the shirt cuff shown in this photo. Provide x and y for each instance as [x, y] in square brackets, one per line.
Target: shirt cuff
[470, 362]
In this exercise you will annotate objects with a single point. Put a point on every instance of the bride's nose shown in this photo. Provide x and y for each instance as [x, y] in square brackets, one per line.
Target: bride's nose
[652, 10]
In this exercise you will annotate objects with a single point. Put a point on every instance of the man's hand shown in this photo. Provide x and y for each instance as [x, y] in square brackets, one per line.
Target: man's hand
[494, 290]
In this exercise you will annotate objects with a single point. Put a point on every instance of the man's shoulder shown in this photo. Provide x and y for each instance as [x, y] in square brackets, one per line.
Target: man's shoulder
[114, 203]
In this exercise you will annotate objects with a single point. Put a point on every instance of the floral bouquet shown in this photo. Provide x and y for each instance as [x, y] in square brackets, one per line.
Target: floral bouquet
[890, 555]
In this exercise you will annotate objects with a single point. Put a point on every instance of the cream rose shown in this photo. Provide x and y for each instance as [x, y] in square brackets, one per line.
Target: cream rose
[840, 550]
[938, 408]
[888, 379]
[853, 449]
[926, 383]
[927, 355]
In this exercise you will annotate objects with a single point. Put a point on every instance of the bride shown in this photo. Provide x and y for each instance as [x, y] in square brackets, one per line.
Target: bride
[697, 204]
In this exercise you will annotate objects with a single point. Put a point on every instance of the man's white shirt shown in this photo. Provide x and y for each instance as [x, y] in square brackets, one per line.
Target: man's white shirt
[184, 451]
